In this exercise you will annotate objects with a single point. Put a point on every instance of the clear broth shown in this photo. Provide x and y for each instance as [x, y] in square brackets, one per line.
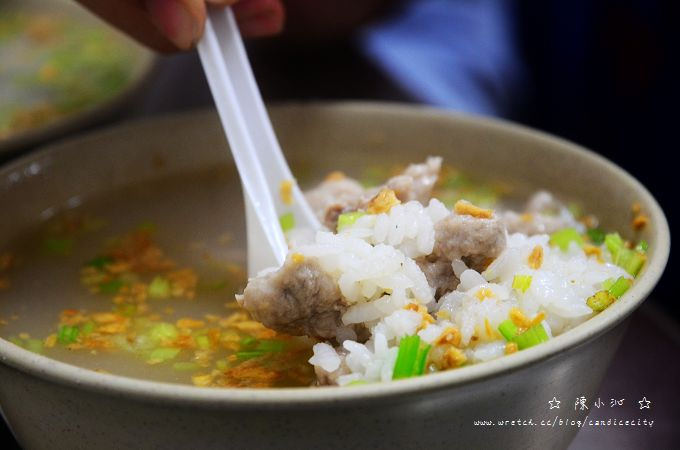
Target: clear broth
[197, 221]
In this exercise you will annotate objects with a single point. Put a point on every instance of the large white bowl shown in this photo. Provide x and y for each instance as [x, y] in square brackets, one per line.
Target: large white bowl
[50, 404]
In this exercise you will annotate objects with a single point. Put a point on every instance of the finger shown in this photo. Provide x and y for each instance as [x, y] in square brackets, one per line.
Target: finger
[258, 18]
[169, 25]
[180, 21]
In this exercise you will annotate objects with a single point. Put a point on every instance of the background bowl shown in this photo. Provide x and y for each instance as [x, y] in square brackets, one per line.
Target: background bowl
[141, 61]
[56, 405]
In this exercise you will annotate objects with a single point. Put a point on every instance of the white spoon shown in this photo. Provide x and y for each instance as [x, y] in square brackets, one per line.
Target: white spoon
[260, 162]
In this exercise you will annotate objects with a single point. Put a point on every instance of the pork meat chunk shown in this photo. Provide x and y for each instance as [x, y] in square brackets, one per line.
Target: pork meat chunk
[476, 241]
[543, 213]
[297, 299]
[417, 181]
[439, 274]
[333, 197]
[340, 194]
[531, 224]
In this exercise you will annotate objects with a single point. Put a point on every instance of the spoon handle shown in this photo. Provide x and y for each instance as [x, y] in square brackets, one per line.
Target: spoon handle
[220, 57]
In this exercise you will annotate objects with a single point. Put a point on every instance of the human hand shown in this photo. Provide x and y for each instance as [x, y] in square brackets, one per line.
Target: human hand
[171, 25]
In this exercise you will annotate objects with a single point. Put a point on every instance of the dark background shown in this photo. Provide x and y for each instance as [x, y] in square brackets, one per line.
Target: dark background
[605, 76]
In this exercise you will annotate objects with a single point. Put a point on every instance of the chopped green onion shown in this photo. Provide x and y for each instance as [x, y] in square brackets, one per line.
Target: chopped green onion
[111, 287]
[609, 282]
[533, 336]
[521, 282]
[67, 334]
[185, 366]
[528, 338]
[270, 346]
[287, 221]
[620, 286]
[508, 329]
[630, 260]
[34, 345]
[263, 347]
[596, 236]
[642, 246]
[163, 332]
[159, 287]
[348, 219]
[614, 243]
[58, 246]
[250, 354]
[357, 383]
[600, 300]
[87, 328]
[203, 342]
[248, 341]
[164, 354]
[411, 358]
[562, 238]
[421, 360]
[408, 352]
[99, 262]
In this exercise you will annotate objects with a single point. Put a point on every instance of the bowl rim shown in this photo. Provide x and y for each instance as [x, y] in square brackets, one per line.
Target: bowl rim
[163, 392]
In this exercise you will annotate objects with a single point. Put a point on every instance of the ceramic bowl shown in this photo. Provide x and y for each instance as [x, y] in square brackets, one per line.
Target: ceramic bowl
[141, 61]
[49, 404]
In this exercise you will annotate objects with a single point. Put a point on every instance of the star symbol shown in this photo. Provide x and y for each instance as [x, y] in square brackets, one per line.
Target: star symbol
[644, 403]
[554, 403]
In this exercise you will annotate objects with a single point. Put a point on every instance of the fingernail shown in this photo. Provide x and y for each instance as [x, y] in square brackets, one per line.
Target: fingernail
[175, 21]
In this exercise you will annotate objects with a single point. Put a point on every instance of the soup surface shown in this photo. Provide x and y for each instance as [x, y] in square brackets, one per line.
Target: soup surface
[141, 282]
[132, 283]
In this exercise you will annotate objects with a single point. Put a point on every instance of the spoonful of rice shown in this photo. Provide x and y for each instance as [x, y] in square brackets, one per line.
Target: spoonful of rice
[273, 201]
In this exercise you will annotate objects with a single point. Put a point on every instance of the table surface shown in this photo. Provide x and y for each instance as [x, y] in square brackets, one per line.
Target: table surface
[645, 364]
